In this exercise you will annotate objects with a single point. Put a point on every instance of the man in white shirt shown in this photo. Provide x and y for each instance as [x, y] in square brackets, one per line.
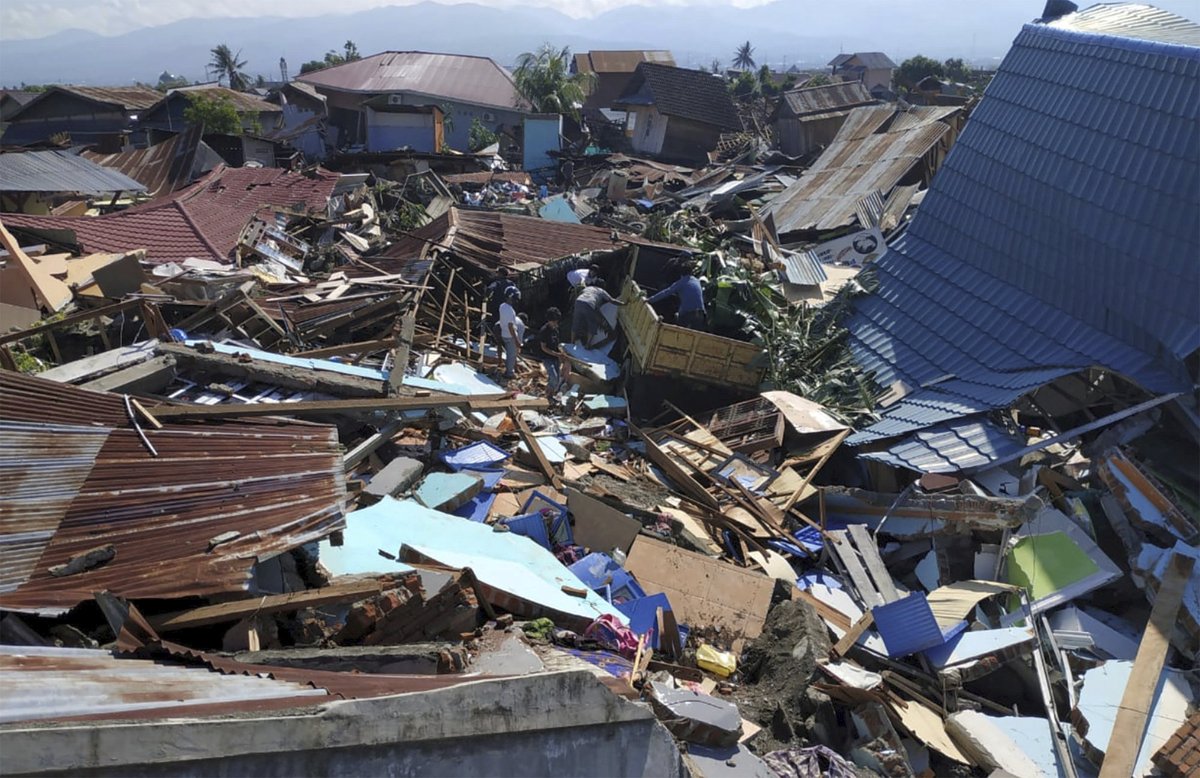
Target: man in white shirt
[511, 330]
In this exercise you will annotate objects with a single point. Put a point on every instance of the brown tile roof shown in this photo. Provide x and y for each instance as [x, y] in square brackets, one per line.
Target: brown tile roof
[77, 476]
[467, 79]
[203, 220]
[689, 94]
[1180, 755]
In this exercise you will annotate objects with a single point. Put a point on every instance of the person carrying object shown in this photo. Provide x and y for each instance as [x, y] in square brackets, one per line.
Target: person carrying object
[690, 294]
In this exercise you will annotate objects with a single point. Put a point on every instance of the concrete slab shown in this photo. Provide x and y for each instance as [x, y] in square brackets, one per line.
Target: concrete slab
[511, 657]
[395, 477]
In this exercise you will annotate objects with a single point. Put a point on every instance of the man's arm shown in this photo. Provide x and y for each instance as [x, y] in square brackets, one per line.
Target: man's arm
[670, 290]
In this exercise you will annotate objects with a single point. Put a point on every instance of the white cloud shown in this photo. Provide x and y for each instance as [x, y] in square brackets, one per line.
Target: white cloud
[34, 19]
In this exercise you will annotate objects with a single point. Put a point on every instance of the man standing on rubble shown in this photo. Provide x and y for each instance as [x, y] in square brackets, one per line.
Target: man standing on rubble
[495, 294]
[550, 351]
[512, 331]
[587, 318]
[691, 295]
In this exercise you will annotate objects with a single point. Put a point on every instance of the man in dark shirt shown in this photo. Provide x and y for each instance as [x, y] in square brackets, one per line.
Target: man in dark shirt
[551, 353]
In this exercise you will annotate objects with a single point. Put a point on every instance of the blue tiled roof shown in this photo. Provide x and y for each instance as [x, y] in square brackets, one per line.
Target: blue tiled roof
[962, 444]
[1059, 234]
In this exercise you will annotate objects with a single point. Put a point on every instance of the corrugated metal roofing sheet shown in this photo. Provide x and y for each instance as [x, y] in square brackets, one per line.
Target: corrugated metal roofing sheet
[874, 149]
[203, 220]
[131, 98]
[243, 102]
[468, 79]
[1132, 20]
[803, 267]
[489, 239]
[1058, 235]
[619, 61]
[278, 485]
[60, 171]
[162, 168]
[827, 97]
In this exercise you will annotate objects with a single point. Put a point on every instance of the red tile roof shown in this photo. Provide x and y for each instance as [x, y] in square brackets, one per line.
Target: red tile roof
[203, 220]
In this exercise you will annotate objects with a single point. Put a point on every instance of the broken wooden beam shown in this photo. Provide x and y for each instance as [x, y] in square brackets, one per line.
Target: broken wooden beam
[491, 402]
[274, 603]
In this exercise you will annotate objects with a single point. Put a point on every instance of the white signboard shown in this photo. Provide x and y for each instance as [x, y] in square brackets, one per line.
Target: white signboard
[857, 248]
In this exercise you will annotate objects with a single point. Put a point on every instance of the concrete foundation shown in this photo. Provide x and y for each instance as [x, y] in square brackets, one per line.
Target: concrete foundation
[560, 724]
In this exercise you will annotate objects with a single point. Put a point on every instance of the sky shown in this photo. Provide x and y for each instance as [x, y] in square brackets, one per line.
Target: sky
[38, 18]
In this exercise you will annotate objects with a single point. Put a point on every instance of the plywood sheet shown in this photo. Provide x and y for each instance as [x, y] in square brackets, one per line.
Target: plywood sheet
[703, 591]
[600, 527]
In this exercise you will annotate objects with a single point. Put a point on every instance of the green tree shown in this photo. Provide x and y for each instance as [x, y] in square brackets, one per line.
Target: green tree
[913, 69]
[349, 54]
[743, 58]
[480, 137]
[216, 112]
[746, 86]
[229, 66]
[957, 70]
[544, 79]
[819, 79]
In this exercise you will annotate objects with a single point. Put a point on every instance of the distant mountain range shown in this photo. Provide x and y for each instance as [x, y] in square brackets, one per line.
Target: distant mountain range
[784, 32]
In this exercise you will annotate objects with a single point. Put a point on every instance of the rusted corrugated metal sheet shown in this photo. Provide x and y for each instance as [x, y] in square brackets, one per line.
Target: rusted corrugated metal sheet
[278, 485]
[489, 239]
[874, 150]
[162, 168]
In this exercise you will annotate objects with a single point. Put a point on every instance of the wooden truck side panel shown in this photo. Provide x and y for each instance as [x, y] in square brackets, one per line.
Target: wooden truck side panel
[679, 351]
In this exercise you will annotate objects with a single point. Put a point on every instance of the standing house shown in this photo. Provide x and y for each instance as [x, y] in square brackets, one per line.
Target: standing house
[676, 113]
[167, 115]
[90, 115]
[463, 88]
[808, 119]
[871, 68]
[612, 71]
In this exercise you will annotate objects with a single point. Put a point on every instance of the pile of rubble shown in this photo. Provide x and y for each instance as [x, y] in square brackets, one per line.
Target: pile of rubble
[872, 508]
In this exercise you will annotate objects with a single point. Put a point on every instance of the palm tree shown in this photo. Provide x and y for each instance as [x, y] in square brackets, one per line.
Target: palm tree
[544, 79]
[227, 65]
[744, 57]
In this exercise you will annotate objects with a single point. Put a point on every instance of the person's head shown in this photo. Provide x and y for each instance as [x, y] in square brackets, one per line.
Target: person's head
[553, 315]
[512, 295]
[524, 317]
[594, 270]
[502, 271]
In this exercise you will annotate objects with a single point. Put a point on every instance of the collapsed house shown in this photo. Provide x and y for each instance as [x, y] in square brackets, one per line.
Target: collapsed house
[915, 495]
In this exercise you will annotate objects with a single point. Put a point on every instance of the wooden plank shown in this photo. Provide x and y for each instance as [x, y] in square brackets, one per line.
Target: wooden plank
[853, 634]
[826, 612]
[849, 557]
[539, 455]
[1136, 702]
[275, 603]
[675, 472]
[318, 407]
[870, 554]
[815, 469]
[364, 346]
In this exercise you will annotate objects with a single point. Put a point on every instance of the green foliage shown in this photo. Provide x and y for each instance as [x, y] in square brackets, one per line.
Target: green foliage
[913, 69]
[27, 363]
[167, 82]
[216, 112]
[479, 136]
[544, 79]
[228, 66]
[819, 80]
[746, 86]
[743, 58]
[957, 70]
[349, 53]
